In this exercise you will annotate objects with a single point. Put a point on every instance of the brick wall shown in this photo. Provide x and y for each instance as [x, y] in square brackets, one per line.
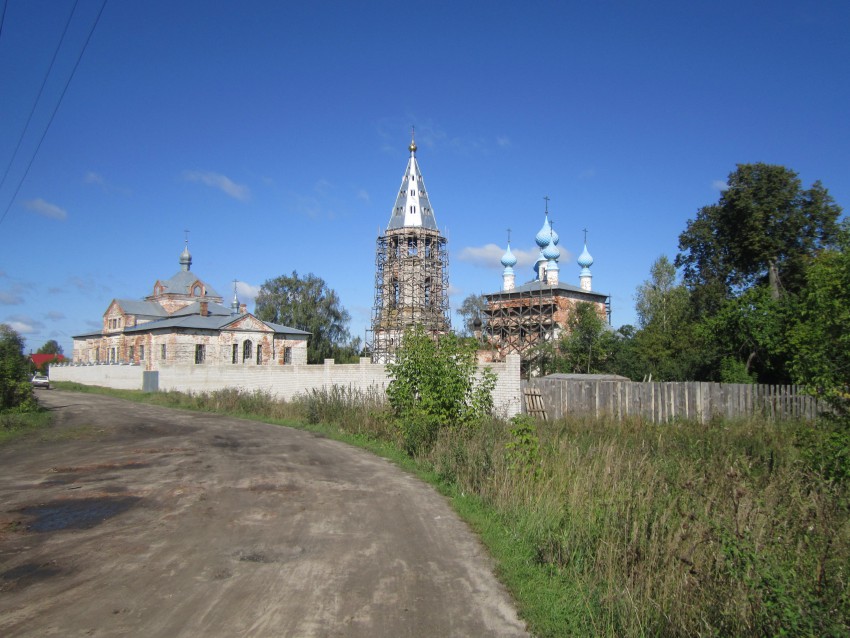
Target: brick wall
[284, 382]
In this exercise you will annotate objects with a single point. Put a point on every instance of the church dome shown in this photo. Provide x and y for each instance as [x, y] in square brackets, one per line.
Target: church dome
[185, 259]
[508, 259]
[551, 252]
[585, 260]
[545, 235]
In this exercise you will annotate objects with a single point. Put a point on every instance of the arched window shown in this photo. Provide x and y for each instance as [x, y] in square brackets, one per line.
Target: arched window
[247, 350]
[259, 353]
[427, 291]
[395, 298]
[197, 290]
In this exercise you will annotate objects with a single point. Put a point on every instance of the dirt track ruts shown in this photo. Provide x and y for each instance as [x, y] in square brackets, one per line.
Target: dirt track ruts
[129, 519]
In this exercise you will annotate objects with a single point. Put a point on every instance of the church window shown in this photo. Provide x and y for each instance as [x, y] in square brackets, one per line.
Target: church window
[235, 358]
[142, 352]
[130, 353]
[196, 291]
[259, 353]
[412, 191]
[411, 246]
[247, 350]
[428, 291]
[395, 298]
[287, 355]
[427, 247]
[162, 351]
[200, 353]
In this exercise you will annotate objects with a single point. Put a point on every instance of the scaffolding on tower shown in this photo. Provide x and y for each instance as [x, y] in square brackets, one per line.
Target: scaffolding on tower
[411, 288]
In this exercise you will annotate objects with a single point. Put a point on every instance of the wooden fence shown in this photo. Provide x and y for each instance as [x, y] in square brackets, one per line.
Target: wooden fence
[661, 402]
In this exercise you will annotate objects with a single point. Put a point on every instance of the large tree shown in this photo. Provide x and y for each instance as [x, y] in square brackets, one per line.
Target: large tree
[15, 389]
[472, 308]
[309, 304]
[50, 347]
[761, 231]
[819, 341]
[665, 341]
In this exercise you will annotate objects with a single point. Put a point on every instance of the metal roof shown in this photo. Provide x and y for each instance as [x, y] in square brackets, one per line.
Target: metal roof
[536, 286]
[412, 206]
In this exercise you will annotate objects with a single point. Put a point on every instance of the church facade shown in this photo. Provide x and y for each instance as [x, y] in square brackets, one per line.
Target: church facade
[183, 321]
[411, 269]
[520, 318]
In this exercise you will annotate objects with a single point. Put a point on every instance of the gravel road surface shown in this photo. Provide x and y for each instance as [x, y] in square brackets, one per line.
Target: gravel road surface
[125, 519]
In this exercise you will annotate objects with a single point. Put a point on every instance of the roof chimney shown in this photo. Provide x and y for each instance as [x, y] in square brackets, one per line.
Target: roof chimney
[205, 308]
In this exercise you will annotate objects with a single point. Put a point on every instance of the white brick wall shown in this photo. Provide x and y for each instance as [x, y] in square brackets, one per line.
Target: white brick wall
[284, 382]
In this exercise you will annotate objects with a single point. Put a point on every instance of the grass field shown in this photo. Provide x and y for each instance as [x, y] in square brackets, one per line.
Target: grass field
[732, 528]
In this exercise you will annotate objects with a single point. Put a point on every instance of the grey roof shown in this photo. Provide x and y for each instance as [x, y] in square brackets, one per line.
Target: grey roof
[181, 284]
[210, 322]
[99, 333]
[536, 286]
[141, 308]
[194, 308]
[398, 215]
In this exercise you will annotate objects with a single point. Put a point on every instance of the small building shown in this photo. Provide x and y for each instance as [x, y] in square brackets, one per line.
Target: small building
[183, 321]
[521, 318]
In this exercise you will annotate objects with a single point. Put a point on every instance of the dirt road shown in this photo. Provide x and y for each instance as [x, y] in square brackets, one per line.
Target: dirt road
[132, 520]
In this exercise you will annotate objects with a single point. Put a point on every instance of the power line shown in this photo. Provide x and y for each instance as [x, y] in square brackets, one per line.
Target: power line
[52, 115]
[3, 18]
[38, 97]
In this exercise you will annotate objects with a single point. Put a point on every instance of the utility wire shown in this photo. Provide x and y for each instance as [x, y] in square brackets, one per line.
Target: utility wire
[3, 17]
[38, 97]
[52, 115]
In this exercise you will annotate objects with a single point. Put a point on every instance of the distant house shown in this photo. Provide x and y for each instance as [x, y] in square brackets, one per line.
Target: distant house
[39, 360]
[184, 321]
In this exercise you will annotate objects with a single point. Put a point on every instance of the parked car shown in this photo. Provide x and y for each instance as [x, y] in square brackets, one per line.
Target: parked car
[41, 381]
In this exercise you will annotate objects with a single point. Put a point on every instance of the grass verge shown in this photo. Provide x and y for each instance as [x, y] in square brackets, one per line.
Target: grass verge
[610, 528]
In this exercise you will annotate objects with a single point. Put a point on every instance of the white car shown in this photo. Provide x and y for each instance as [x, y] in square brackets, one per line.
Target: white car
[41, 381]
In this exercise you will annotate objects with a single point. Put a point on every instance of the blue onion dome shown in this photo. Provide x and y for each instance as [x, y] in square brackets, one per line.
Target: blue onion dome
[508, 259]
[551, 252]
[545, 235]
[585, 260]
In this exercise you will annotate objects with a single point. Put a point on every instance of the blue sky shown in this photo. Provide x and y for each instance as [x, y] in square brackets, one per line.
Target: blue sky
[276, 132]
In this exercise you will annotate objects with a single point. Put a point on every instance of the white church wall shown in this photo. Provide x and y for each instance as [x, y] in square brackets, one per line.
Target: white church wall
[284, 382]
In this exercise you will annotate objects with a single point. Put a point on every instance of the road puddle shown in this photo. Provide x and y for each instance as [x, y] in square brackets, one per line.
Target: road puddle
[83, 513]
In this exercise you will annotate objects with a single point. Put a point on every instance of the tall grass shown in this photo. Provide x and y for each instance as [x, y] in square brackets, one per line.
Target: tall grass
[607, 528]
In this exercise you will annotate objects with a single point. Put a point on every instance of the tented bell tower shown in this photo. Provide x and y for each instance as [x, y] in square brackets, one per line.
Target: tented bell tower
[411, 269]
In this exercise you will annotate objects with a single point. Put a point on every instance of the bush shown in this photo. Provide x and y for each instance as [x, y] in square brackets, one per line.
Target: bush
[435, 385]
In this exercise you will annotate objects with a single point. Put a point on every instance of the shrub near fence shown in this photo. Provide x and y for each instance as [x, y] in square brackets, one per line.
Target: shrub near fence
[661, 402]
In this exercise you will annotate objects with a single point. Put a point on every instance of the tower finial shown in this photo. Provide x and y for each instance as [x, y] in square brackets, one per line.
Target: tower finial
[585, 235]
[546, 197]
[509, 236]
[412, 147]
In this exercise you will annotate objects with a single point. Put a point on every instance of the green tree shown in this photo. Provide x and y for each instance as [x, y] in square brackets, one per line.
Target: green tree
[435, 384]
[306, 303]
[819, 341]
[665, 339]
[588, 345]
[472, 308]
[50, 347]
[15, 389]
[761, 231]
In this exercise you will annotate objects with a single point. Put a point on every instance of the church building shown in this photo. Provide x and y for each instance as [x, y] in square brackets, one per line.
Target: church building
[411, 269]
[519, 318]
[183, 321]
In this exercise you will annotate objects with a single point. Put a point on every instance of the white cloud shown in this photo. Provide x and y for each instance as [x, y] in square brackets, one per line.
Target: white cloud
[454, 291]
[588, 173]
[246, 292]
[24, 324]
[53, 315]
[11, 297]
[363, 195]
[46, 209]
[94, 178]
[719, 185]
[221, 182]
[503, 141]
[490, 256]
